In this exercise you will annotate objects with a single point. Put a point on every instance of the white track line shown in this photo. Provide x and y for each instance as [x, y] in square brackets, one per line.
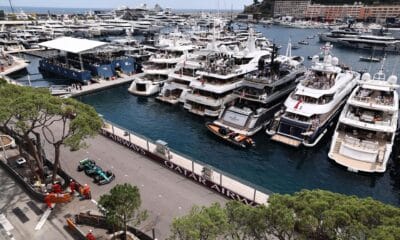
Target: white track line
[7, 226]
[43, 218]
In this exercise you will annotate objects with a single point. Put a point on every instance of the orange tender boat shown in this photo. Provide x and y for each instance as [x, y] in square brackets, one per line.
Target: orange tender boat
[230, 136]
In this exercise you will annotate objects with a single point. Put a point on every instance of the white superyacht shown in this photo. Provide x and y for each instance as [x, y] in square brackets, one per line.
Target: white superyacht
[175, 89]
[262, 93]
[222, 74]
[156, 70]
[311, 108]
[365, 133]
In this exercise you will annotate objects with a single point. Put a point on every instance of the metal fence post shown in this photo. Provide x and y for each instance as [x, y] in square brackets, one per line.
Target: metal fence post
[220, 179]
[148, 147]
[192, 166]
[130, 137]
[254, 197]
[112, 127]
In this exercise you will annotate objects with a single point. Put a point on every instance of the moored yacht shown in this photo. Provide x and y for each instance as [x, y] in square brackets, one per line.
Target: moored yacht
[336, 35]
[311, 108]
[262, 94]
[365, 133]
[372, 42]
[222, 74]
[175, 89]
[156, 70]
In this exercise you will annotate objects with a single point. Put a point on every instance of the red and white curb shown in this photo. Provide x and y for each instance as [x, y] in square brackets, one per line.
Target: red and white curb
[7, 226]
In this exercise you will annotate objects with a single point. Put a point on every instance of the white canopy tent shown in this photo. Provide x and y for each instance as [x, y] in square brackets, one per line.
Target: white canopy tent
[73, 45]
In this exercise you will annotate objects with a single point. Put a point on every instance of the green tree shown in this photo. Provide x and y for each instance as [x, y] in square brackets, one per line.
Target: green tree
[307, 214]
[2, 81]
[121, 206]
[69, 122]
[245, 222]
[280, 219]
[202, 223]
[21, 113]
[31, 113]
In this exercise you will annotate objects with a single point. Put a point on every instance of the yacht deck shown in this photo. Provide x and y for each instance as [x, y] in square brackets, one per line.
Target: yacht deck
[286, 140]
[373, 99]
[369, 145]
[355, 165]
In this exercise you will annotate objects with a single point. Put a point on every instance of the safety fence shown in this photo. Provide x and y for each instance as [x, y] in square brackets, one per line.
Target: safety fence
[203, 174]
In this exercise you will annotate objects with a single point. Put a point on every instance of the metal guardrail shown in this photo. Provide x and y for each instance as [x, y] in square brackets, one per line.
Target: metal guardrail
[217, 180]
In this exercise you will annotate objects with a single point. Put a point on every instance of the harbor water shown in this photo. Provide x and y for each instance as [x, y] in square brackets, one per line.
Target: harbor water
[270, 165]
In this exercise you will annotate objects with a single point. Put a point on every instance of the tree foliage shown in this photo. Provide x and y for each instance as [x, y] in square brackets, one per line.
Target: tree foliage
[121, 206]
[69, 123]
[307, 214]
[201, 223]
[33, 113]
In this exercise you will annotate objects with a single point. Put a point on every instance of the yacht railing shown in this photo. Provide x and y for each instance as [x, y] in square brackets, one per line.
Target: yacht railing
[203, 99]
[245, 94]
[384, 101]
[364, 145]
[367, 118]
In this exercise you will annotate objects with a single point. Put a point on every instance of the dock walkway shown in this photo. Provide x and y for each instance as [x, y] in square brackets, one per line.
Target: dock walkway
[101, 85]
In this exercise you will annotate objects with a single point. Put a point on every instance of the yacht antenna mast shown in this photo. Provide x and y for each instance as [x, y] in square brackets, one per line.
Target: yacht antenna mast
[383, 63]
[289, 48]
[12, 9]
[395, 65]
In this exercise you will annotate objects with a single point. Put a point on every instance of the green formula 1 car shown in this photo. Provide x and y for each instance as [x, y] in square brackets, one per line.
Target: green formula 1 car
[97, 173]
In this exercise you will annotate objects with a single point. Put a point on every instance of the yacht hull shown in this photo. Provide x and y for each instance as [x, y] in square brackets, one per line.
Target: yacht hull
[301, 130]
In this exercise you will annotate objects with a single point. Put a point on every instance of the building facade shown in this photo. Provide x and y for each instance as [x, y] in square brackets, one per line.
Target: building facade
[295, 8]
[380, 12]
[356, 11]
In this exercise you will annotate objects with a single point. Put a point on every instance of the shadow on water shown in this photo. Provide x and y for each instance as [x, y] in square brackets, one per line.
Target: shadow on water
[142, 100]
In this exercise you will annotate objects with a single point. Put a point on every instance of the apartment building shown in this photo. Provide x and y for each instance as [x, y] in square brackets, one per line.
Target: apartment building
[356, 11]
[295, 8]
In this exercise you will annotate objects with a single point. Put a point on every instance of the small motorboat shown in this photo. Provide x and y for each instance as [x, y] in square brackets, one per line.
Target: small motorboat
[57, 90]
[295, 46]
[369, 59]
[311, 37]
[303, 42]
[230, 136]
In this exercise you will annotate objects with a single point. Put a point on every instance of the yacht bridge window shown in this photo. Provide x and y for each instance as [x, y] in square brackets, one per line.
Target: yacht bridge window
[186, 72]
[296, 117]
[208, 94]
[219, 81]
[158, 66]
[325, 99]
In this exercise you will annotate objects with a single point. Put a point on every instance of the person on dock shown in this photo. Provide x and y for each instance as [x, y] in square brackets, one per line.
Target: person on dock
[47, 200]
[72, 186]
[57, 187]
[90, 235]
[85, 192]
